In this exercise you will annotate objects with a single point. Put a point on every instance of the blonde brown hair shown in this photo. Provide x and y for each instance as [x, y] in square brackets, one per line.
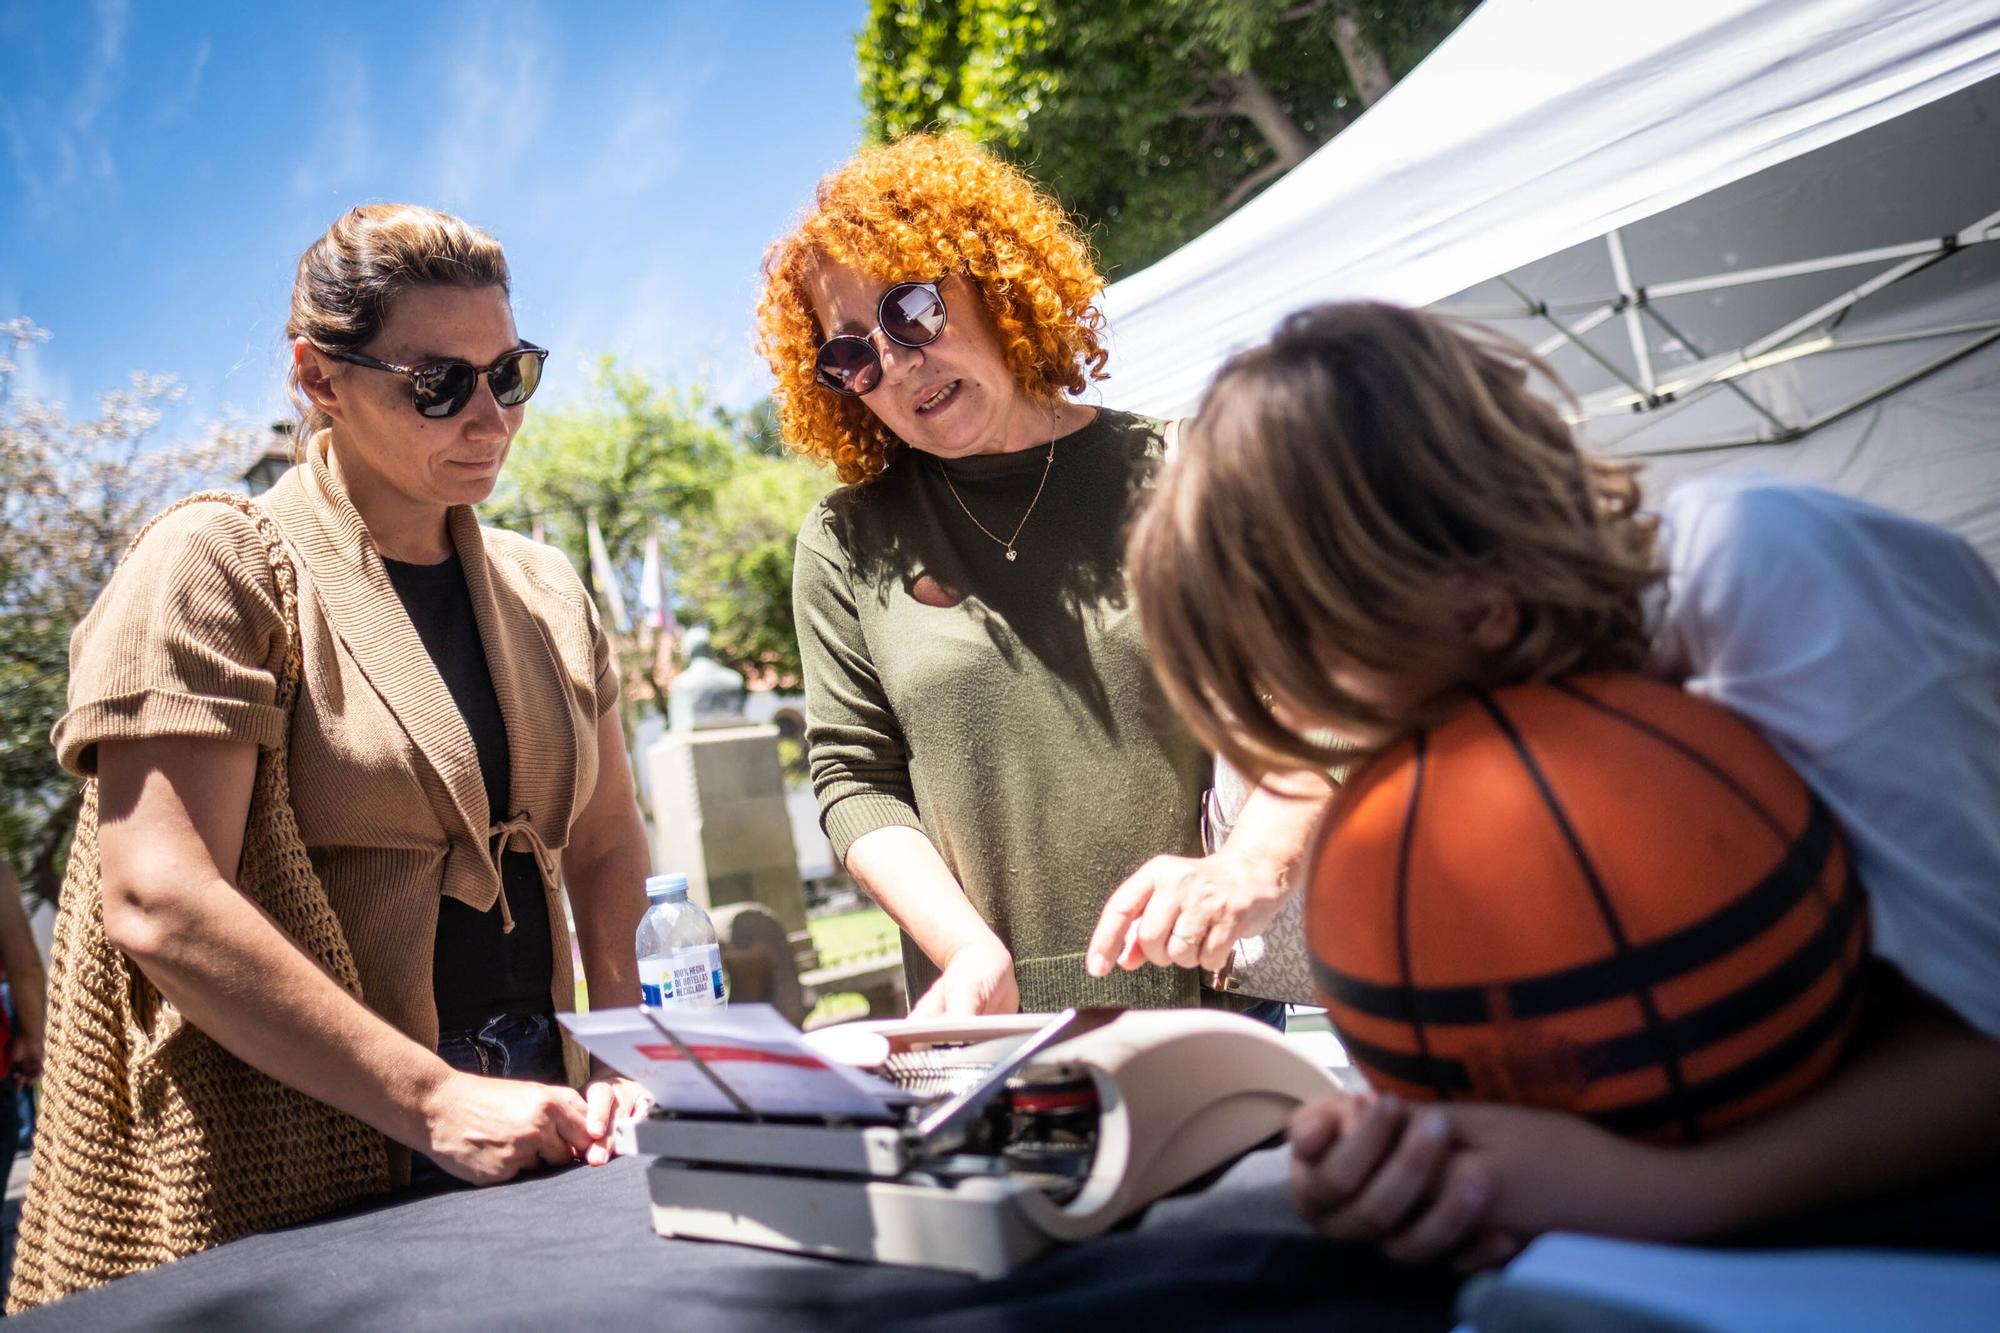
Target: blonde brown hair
[924, 206]
[349, 278]
[1341, 484]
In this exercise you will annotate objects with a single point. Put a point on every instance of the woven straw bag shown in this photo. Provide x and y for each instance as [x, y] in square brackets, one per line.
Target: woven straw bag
[154, 1141]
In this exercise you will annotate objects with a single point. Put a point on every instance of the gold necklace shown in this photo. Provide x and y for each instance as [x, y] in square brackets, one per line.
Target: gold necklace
[1007, 543]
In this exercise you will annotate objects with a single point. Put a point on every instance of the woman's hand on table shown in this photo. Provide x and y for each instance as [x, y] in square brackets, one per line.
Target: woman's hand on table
[978, 979]
[486, 1130]
[607, 1102]
[1186, 911]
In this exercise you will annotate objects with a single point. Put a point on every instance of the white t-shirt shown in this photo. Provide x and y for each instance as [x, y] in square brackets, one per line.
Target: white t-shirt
[1866, 647]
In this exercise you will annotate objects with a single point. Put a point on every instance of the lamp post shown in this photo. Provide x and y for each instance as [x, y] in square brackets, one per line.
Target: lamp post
[273, 463]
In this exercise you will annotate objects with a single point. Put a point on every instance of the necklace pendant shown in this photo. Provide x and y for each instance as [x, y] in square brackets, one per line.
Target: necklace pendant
[1012, 553]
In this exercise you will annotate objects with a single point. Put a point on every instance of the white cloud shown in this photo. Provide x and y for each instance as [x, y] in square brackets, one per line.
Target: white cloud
[181, 104]
[52, 143]
[639, 312]
[99, 85]
[656, 112]
[608, 204]
[644, 144]
[497, 93]
[342, 156]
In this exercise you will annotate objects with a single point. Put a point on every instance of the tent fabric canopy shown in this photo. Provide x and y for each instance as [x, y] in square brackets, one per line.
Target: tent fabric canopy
[1731, 225]
[1845, 326]
[1536, 126]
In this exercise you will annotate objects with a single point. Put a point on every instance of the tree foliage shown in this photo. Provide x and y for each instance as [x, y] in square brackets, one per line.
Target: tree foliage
[630, 453]
[737, 566]
[73, 493]
[718, 489]
[1151, 122]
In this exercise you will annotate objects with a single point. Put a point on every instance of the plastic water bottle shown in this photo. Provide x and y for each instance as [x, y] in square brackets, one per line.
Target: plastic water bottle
[679, 961]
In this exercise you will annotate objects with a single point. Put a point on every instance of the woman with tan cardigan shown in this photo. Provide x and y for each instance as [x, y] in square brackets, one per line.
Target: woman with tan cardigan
[454, 751]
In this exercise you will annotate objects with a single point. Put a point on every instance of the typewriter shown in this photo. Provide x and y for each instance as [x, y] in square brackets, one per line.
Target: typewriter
[1000, 1138]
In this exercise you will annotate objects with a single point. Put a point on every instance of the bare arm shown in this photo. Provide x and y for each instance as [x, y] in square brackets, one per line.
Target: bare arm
[1184, 911]
[1277, 821]
[899, 868]
[860, 769]
[1916, 1101]
[605, 867]
[171, 828]
[25, 977]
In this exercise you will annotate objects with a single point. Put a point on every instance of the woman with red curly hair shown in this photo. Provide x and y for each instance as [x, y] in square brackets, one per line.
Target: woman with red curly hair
[992, 754]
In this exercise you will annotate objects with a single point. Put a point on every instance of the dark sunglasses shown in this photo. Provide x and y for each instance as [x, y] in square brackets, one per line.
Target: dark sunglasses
[443, 388]
[910, 313]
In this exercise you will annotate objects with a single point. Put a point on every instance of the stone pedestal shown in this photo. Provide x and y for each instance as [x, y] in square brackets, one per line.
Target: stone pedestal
[719, 808]
[758, 956]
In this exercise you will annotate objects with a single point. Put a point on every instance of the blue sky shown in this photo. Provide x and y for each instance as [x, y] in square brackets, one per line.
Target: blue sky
[162, 166]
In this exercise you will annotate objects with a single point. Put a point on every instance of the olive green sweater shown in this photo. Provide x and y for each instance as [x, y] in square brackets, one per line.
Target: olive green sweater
[1007, 709]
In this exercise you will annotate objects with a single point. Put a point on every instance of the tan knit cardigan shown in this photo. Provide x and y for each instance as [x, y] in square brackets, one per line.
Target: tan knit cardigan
[385, 779]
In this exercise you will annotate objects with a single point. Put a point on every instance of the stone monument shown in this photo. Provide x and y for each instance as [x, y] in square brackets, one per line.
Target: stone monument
[719, 798]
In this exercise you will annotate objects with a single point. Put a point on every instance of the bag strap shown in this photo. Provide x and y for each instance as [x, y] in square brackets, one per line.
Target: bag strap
[145, 997]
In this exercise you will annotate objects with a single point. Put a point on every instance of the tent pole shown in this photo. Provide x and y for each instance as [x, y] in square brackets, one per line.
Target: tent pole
[1845, 301]
[1575, 331]
[1628, 295]
[1973, 235]
[1913, 335]
[1609, 305]
[1854, 296]
[1576, 340]
[1868, 399]
[1730, 383]
[1728, 375]
[1931, 367]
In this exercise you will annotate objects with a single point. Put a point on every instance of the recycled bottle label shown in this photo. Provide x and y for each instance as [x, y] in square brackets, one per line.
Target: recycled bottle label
[691, 976]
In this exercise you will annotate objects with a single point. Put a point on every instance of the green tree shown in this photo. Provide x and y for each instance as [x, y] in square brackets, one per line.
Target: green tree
[72, 496]
[737, 570]
[633, 457]
[1151, 122]
[717, 487]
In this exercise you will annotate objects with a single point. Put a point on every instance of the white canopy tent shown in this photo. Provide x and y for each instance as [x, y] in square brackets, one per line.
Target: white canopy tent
[1744, 232]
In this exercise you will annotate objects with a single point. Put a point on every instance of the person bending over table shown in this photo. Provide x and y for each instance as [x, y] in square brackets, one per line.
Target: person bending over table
[455, 753]
[1432, 516]
[991, 752]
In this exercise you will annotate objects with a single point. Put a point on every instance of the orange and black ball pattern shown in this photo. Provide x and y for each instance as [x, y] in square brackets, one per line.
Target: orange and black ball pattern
[1600, 895]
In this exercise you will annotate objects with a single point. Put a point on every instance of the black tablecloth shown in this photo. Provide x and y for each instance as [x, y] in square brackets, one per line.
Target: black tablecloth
[576, 1249]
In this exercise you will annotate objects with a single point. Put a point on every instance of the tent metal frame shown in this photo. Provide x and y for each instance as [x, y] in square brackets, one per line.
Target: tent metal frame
[1637, 304]
[1827, 418]
[1604, 306]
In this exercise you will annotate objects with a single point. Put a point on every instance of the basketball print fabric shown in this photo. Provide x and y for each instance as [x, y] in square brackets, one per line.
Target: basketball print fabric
[1600, 895]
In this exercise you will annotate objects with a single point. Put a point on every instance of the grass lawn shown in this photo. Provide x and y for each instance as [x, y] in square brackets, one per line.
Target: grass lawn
[842, 937]
[845, 936]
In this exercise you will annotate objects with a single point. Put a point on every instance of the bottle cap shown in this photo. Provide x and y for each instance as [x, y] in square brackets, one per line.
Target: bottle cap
[666, 888]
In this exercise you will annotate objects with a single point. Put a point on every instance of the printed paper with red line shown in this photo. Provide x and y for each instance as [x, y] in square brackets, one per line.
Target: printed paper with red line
[751, 1048]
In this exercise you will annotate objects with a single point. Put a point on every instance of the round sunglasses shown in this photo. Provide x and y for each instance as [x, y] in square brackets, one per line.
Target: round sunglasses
[909, 313]
[442, 388]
